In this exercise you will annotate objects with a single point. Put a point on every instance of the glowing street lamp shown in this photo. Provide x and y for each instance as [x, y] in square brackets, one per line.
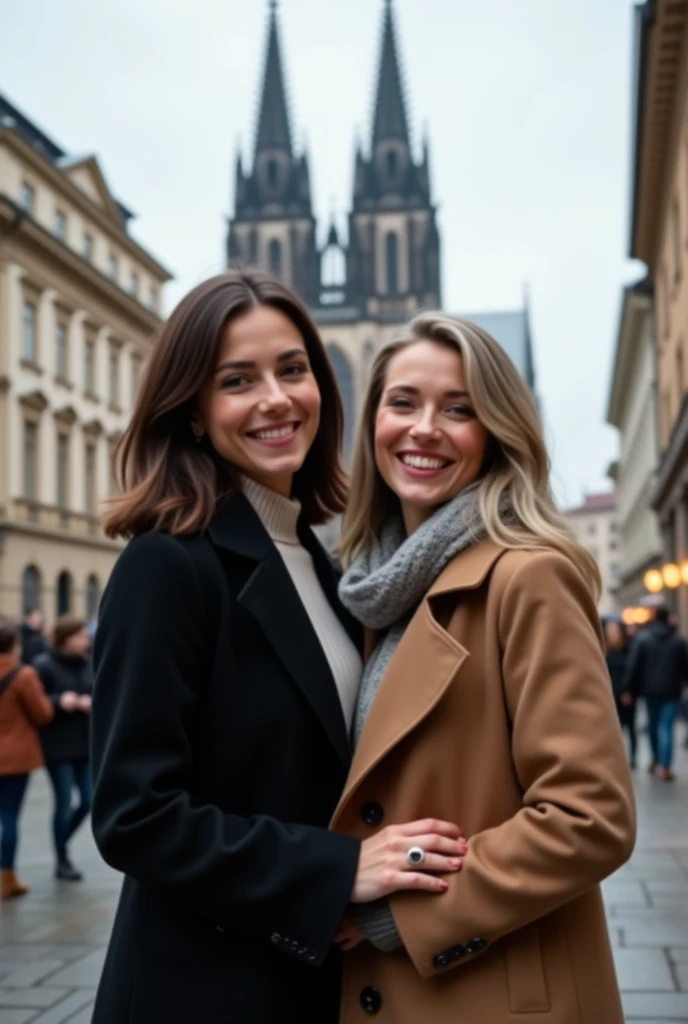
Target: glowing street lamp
[654, 582]
[671, 574]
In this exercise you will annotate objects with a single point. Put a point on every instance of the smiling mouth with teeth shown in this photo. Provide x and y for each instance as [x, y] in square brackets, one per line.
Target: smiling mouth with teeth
[423, 462]
[274, 433]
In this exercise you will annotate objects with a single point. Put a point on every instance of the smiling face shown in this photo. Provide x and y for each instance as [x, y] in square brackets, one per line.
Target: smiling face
[261, 407]
[429, 445]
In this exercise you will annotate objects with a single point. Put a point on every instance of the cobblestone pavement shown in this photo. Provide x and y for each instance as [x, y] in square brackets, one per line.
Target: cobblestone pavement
[52, 941]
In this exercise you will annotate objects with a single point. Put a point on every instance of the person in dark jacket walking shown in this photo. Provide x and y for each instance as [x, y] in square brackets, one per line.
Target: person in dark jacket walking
[33, 640]
[658, 671]
[66, 673]
[24, 707]
[617, 650]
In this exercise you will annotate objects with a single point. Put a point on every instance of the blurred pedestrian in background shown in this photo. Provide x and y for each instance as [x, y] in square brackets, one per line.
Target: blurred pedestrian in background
[66, 673]
[24, 707]
[617, 653]
[658, 671]
[33, 641]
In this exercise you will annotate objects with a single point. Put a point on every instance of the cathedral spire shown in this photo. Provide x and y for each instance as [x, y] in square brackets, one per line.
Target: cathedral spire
[273, 121]
[389, 119]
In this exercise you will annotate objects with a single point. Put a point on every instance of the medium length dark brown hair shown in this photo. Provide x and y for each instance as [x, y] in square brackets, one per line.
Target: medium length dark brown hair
[66, 626]
[168, 481]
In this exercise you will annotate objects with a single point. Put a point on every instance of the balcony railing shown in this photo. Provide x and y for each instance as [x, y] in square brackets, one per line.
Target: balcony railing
[53, 517]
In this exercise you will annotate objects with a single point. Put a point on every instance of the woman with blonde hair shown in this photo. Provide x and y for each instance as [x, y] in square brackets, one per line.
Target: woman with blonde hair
[485, 699]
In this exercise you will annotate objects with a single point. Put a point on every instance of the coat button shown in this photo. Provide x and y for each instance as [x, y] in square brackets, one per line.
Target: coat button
[371, 1000]
[440, 961]
[457, 952]
[372, 813]
[275, 938]
[475, 945]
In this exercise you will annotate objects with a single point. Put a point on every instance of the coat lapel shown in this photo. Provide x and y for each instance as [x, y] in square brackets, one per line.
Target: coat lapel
[272, 599]
[424, 665]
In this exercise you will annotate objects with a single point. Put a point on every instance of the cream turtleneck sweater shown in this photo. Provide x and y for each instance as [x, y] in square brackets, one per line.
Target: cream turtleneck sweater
[279, 516]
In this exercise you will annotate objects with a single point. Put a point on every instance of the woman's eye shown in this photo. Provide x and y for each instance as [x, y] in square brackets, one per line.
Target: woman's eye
[235, 381]
[400, 403]
[294, 370]
[461, 410]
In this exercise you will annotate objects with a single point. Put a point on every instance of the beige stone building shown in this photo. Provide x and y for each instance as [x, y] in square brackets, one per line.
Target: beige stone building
[79, 305]
[659, 237]
[632, 410]
[595, 525]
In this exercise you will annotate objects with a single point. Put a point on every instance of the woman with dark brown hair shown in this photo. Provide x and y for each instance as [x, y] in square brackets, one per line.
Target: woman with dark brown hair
[67, 677]
[226, 677]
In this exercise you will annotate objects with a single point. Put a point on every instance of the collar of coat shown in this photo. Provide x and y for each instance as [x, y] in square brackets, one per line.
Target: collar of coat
[423, 667]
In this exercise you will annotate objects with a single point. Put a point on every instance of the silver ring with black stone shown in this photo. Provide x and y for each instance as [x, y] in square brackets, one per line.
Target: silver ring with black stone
[415, 856]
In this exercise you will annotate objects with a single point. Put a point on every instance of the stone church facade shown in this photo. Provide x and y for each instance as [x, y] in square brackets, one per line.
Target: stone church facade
[360, 291]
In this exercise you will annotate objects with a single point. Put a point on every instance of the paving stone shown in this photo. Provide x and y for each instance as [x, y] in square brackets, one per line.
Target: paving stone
[83, 1016]
[682, 975]
[679, 954]
[82, 973]
[16, 1016]
[31, 973]
[66, 1010]
[39, 996]
[653, 1005]
[643, 970]
[653, 932]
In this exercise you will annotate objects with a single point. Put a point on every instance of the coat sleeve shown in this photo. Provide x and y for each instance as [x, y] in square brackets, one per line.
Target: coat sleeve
[37, 706]
[577, 821]
[636, 667]
[287, 884]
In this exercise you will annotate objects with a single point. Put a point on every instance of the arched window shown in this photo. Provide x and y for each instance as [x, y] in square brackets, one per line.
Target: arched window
[64, 593]
[392, 254]
[253, 246]
[392, 164]
[31, 589]
[273, 173]
[345, 380]
[275, 257]
[367, 360]
[92, 597]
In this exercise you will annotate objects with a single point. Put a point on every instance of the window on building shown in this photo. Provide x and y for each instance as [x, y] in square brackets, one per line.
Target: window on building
[92, 597]
[614, 573]
[676, 237]
[275, 257]
[253, 246]
[134, 284]
[273, 173]
[593, 551]
[392, 164]
[27, 197]
[153, 299]
[613, 526]
[89, 366]
[64, 593]
[31, 590]
[87, 251]
[392, 257]
[61, 367]
[90, 495]
[113, 378]
[60, 225]
[62, 471]
[112, 267]
[135, 375]
[592, 529]
[30, 459]
[29, 349]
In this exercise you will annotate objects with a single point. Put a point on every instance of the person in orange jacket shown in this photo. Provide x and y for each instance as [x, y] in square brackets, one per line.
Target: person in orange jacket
[24, 708]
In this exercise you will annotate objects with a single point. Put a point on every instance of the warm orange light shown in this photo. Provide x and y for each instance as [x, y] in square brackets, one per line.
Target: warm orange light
[628, 616]
[641, 616]
[684, 571]
[671, 574]
[654, 582]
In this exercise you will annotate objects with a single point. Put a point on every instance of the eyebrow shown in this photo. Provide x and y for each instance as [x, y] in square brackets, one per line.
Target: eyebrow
[247, 364]
[409, 390]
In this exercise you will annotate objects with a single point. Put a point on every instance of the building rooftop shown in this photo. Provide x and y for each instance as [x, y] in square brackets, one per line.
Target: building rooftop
[592, 503]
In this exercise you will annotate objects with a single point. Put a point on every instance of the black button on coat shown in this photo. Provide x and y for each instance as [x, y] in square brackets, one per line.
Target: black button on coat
[67, 736]
[219, 754]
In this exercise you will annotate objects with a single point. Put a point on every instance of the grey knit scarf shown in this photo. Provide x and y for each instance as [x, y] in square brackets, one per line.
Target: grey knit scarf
[385, 584]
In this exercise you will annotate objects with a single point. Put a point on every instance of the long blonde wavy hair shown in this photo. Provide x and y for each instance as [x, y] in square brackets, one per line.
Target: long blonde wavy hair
[517, 464]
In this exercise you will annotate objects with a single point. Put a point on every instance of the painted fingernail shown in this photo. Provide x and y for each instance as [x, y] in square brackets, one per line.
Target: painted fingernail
[456, 863]
[444, 886]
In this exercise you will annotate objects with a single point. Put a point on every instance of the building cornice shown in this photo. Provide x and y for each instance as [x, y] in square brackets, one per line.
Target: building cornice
[673, 459]
[28, 233]
[110, 223]
[636, 303]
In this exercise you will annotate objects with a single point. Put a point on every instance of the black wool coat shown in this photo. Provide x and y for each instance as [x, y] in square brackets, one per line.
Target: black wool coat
[219, 753]
[67, 736]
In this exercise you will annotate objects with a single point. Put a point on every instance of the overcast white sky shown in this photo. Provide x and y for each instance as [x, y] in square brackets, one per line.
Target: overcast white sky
[528, 106]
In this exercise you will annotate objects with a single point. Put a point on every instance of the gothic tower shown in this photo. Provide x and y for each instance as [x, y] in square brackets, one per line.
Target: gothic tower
[393, 258]
[273, 225]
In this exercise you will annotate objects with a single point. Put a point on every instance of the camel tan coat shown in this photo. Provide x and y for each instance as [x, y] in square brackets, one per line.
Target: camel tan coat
[496, 713]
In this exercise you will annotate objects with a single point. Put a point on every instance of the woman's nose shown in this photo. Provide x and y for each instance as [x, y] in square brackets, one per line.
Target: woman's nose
[425, 427]
[275, 397]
